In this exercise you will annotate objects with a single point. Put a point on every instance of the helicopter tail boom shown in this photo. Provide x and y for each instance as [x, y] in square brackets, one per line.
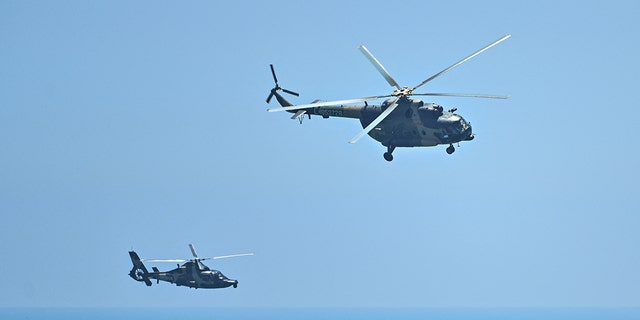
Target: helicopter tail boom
[139, 271]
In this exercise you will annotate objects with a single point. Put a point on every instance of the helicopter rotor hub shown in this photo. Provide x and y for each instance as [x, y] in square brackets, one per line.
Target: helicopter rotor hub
[403, 92]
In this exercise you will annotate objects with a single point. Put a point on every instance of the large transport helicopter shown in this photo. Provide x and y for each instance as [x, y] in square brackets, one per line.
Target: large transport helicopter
[193, 273]
[399, 121]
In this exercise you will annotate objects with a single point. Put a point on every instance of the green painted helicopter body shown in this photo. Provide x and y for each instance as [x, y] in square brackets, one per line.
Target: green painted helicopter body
[399, 121]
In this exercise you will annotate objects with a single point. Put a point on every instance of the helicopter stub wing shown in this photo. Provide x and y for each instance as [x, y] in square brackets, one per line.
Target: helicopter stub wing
[298, 114]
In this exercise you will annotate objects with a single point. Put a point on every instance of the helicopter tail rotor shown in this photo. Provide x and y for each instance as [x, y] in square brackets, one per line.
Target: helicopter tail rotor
[277, 87]
[139, 271]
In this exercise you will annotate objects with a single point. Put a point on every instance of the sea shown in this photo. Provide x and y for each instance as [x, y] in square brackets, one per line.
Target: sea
[322, 313]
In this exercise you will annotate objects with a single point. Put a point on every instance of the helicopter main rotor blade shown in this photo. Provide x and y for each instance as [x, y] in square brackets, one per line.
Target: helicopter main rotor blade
[164, 260]
[463, 61]
[193, 251]
[232, 256]
[375, 122]
[463, 95]
[379, 66]
[326, 103]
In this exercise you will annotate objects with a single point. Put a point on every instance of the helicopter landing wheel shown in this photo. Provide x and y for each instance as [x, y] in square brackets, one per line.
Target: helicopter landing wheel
[387, 155]
[451, 149]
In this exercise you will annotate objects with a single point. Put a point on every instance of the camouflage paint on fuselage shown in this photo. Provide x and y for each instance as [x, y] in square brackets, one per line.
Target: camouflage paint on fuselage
[412, 124]
[193, 274]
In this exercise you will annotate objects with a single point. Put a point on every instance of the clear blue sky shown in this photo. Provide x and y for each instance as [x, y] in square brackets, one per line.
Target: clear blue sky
[142, 125]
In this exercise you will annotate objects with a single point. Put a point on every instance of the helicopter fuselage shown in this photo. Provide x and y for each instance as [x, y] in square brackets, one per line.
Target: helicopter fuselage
[412, 124]
[194, 275]
[400, 121]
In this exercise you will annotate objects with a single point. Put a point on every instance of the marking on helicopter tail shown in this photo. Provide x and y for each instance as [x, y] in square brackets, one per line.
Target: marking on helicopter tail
[329, 112]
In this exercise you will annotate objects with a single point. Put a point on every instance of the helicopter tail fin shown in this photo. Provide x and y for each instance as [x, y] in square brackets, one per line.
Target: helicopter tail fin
[139, 271]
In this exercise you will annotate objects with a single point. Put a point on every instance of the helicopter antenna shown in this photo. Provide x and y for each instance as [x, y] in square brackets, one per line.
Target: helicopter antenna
[277, 87]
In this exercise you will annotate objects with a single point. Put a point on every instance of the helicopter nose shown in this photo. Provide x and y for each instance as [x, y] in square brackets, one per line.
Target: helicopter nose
[470, 137]
[235, 283]
[469, 133]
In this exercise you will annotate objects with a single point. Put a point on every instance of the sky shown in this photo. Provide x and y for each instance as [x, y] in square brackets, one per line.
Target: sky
[142, 125]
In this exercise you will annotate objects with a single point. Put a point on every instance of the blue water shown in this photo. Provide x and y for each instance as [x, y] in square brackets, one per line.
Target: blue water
[321, 313]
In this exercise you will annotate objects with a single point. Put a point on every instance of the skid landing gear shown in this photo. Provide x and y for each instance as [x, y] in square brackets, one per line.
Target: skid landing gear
[451, 149]
[387, 155]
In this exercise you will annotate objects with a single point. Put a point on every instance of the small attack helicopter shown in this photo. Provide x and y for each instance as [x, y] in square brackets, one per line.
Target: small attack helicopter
[193, 273]
[399, 121]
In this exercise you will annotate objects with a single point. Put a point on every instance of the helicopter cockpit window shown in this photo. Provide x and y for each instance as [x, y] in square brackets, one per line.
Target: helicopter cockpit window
[207, 276]
[460, 126]
[464, 124]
